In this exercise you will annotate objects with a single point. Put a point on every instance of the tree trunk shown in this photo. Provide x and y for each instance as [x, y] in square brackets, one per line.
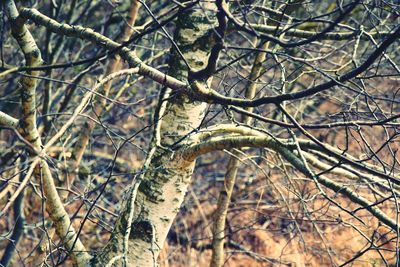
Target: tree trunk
[156, 196]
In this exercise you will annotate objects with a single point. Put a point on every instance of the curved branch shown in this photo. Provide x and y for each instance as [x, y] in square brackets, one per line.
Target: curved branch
[85, 102]
[197, 90]
[209, 137]
[105, 42]
[7, 120]
[331, 152]
[212, 96]
[329, 125]
[310, 38]
[340, 169]
[227, 142]
[29, 131]
[336, 187]
[223, 142]
[335, 36]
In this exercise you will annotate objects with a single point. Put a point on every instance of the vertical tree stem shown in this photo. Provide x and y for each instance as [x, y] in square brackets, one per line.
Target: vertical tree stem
[29, 131]
[225, 194]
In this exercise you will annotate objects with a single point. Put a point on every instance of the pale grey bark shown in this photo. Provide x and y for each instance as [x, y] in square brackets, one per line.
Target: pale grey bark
[157, 195]
[29, 131]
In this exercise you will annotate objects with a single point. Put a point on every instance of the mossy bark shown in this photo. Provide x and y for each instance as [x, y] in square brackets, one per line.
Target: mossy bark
[157, 195]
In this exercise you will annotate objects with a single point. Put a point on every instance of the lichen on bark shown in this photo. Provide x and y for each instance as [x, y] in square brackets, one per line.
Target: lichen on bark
[151, 207]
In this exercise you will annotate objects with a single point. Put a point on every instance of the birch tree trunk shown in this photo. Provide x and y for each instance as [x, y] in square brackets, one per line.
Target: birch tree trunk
[157, 195]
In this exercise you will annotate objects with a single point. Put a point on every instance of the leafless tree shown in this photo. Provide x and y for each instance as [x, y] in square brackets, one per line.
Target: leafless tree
[280, 118]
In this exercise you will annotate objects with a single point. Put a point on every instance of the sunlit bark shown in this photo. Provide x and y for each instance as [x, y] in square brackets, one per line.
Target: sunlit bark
[157, 195]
